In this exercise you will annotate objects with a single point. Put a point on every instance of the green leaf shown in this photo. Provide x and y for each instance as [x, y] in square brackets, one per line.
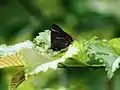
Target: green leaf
[42, 42]
[106, 54]
[17, 79]
[115, 43]
[7, 50]
[72, 50]
[37, 56]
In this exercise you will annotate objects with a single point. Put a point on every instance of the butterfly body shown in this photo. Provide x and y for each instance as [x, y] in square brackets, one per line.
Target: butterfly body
[59, 38]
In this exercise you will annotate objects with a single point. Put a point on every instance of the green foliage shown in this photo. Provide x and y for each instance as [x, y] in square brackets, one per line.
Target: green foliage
[42, 42]
[21, 20]
[115, 43]
[7, 50]
[83, 51]
[38, 56]
[105, 53]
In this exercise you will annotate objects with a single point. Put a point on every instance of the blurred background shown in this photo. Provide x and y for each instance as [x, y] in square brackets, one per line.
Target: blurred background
[22, 20]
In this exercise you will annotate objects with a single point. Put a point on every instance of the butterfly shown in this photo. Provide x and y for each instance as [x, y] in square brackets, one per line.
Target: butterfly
[59, 38]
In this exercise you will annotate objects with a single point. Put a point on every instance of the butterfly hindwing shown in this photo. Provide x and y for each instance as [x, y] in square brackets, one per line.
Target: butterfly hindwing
[59, 38]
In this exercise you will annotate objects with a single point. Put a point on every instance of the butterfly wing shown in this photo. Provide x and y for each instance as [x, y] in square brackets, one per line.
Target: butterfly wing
[59, 38]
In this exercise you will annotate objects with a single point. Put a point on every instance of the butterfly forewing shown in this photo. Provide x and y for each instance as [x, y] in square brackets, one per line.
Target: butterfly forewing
[59, 38]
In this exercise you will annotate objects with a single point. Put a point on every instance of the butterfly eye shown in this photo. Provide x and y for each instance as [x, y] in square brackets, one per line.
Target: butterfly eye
[69, 38]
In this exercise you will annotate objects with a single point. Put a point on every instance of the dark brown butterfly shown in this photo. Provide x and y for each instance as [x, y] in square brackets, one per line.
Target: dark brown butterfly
[59, 38]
